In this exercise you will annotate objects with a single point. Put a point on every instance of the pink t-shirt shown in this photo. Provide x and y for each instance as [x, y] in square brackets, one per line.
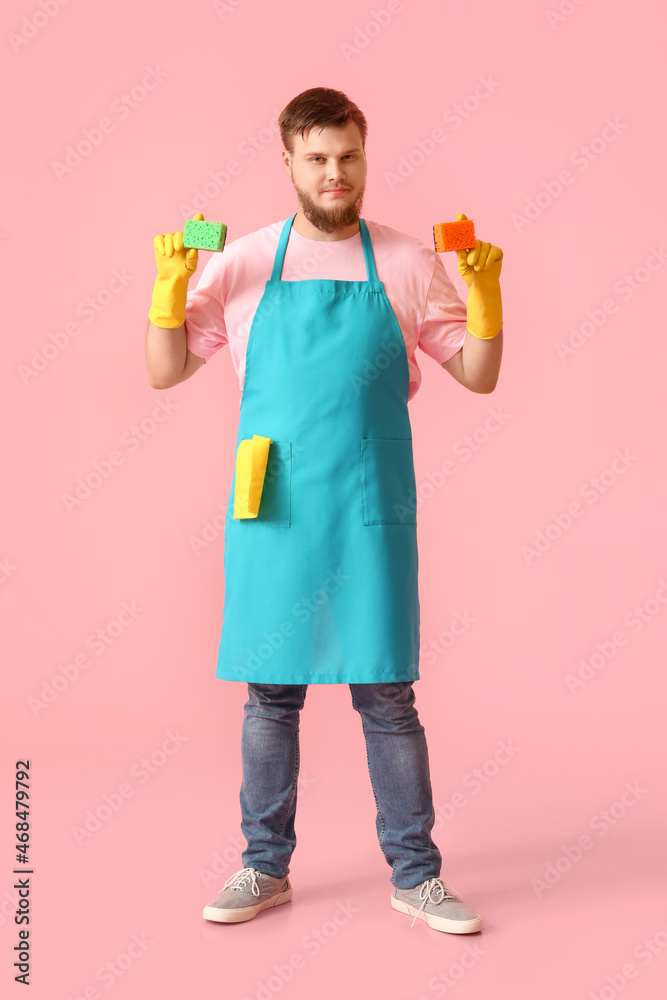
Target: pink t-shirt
[430, 313]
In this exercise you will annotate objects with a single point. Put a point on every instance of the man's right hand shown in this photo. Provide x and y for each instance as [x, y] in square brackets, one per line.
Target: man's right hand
[175, 266]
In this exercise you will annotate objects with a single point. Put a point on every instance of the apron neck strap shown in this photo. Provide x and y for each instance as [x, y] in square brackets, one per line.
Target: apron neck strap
[369, 256]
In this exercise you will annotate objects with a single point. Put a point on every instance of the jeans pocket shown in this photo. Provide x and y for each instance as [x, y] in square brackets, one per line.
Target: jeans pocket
[388, 489]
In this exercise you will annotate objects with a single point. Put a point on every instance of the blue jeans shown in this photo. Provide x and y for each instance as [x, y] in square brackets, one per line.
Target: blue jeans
[398, 765]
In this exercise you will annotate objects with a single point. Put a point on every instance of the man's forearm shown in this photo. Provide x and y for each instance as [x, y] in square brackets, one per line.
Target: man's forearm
[166, 350]
[481, 361]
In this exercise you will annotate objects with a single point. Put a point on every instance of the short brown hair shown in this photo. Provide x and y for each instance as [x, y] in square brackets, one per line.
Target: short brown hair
[319, 107]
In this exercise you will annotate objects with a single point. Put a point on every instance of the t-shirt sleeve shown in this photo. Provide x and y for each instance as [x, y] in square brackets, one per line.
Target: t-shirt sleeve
[443, 326]
[205, 331]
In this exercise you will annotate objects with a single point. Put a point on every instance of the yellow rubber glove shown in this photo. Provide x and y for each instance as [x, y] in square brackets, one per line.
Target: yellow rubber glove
[175, 266]
[480, 269]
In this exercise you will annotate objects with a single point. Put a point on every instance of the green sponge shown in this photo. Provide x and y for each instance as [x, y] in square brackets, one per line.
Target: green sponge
[204, 235]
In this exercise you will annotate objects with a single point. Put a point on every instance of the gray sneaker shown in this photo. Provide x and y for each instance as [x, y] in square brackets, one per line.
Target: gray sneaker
[439, 905]
[245, 893]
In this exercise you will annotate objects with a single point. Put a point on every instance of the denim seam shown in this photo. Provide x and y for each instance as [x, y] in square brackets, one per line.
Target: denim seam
[294, 777]
[377, 804]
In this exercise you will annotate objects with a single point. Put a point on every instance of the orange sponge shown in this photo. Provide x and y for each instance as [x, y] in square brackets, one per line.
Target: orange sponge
[454, 235]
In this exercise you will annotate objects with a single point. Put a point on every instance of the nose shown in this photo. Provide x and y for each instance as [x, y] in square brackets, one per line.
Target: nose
[336, 176]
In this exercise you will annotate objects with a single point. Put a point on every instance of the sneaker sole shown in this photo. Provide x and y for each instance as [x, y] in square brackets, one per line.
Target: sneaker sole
[439, 923]
[234, 916]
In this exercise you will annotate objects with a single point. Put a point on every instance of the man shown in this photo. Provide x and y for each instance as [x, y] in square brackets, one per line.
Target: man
[322, 313]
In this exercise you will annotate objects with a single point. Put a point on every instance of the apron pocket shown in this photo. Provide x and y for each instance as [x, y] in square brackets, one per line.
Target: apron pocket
[388, 490]
[276, 504]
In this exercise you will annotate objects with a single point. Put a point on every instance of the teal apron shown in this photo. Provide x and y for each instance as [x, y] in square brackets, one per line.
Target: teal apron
[321, 586]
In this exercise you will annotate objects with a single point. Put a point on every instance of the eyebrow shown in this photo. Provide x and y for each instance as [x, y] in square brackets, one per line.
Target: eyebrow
[356, 149]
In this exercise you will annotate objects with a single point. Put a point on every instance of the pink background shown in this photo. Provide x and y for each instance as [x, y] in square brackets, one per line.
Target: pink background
[598, 928]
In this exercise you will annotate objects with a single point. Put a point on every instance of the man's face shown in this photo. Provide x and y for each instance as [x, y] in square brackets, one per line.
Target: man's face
[329, 158]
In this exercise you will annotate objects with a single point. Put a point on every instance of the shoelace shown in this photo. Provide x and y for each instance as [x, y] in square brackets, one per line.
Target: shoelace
[431, 887]
[239, 880]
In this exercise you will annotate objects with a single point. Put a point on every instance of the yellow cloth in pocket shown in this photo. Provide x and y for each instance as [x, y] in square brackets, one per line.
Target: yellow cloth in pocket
[251, 458]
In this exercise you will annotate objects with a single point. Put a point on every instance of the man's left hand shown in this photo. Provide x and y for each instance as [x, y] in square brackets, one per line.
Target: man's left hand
[481, 264]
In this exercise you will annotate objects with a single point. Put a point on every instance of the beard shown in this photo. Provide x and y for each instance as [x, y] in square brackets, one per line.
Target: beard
[337, 216]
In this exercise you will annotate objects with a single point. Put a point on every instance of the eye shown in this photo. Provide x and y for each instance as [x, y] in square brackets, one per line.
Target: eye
[313, 158]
